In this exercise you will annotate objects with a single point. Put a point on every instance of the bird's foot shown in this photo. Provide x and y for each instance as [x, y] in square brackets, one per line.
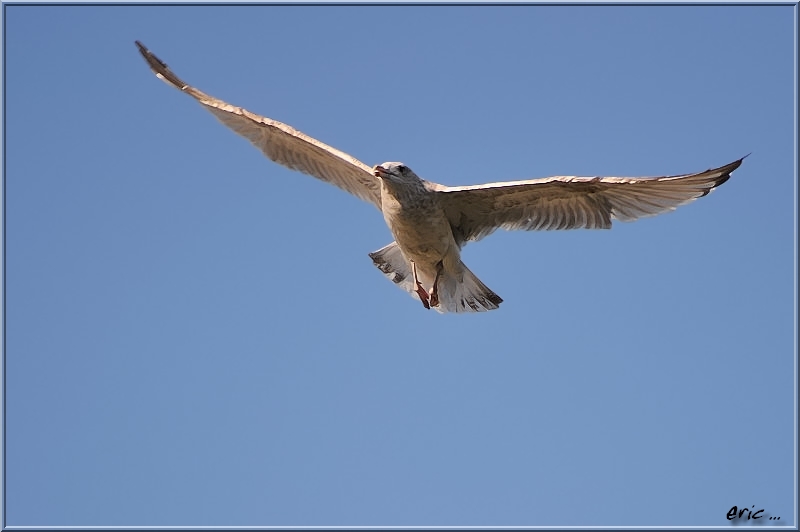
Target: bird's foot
[434, 295]
[421, 292]
[434, 298]
[423, 296]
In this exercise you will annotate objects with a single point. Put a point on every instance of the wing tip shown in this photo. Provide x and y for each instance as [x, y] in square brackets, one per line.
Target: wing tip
[159, 67]
[724, 174]
[737, 163]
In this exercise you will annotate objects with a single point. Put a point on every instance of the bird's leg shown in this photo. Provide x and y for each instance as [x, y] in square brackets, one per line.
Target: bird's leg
[421, 292]
[434, 297]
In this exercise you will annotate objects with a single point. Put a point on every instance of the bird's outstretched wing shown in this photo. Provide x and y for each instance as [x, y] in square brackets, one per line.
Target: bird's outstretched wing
[570, 202]
[281, 143]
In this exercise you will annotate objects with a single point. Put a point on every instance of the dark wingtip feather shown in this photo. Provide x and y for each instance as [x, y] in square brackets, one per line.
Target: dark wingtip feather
[724, 174]
[159, 67]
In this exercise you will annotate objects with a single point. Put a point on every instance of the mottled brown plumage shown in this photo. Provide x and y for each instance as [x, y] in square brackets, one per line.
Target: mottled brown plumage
[431, 222]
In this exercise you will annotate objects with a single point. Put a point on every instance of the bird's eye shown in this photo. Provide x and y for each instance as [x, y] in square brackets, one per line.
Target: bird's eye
[401, 169]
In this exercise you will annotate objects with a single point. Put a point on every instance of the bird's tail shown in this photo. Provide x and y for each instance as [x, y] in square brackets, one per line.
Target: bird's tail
[458, 292]
[464, 292]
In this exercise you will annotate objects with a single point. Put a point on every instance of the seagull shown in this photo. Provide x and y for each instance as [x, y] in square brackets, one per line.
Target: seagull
[432, 222]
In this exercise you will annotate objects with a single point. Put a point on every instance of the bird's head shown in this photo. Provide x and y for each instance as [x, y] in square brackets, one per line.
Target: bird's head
[396, 173]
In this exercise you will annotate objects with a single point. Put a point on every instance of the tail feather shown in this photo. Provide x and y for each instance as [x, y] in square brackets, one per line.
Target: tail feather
[460, 292]
[467, 294]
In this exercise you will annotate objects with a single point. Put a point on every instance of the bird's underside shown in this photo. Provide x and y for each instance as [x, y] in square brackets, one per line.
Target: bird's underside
[432, 222]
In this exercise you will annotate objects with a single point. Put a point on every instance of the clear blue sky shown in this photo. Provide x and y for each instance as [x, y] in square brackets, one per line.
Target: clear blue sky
[189, 343]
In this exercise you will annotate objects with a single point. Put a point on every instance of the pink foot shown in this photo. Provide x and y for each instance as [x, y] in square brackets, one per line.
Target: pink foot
[434, 298]
[423, 296]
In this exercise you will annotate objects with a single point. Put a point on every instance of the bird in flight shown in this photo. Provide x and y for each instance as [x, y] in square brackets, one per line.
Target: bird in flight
[432, 222]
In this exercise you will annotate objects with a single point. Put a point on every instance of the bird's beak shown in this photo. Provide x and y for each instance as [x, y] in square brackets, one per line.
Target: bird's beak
[378, 170]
